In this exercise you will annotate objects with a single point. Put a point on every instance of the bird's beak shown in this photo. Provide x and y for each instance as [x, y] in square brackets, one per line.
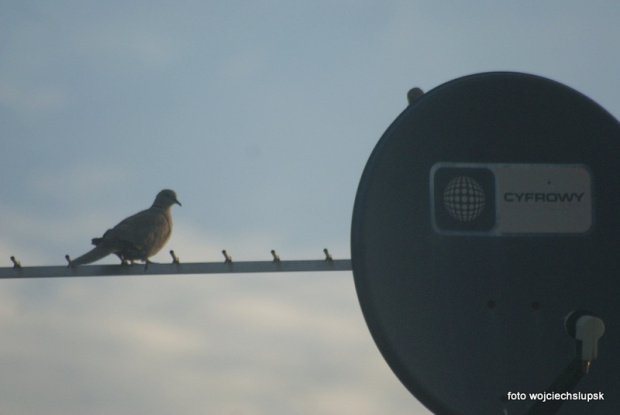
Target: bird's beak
[178, 203]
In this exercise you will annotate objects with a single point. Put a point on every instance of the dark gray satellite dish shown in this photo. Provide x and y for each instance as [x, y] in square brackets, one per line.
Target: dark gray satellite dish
[486, 221]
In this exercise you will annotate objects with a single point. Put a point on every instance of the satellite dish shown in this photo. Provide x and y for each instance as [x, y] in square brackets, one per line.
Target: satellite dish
[486, 222]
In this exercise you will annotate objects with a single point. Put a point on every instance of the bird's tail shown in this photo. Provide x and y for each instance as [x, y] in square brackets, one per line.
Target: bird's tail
[93, 255]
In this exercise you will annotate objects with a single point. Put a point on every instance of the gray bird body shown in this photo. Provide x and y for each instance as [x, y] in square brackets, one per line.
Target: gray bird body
[138, 237]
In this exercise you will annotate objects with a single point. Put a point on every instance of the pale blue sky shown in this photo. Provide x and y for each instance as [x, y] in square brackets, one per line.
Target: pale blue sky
[261, 115]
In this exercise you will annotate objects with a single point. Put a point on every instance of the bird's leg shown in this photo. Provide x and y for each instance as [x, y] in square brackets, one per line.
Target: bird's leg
[121, 257]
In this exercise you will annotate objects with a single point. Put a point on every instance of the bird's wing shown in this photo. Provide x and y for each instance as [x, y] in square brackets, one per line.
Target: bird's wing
[146, 232]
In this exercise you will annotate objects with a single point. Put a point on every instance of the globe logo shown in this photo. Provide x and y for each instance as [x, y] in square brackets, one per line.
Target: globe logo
[464, 198]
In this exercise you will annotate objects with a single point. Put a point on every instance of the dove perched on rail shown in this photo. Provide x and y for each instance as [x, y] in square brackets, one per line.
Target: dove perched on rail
[139, 236]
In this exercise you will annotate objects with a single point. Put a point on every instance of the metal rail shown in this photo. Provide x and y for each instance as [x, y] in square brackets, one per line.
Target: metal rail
[226, 267]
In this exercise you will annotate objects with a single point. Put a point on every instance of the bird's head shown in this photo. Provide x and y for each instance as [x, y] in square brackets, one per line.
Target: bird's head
[166, 198]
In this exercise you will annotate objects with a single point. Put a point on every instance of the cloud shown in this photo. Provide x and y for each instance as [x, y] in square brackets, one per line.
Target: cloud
[82, 177]
[243, 66]
[252, 344]
[32, 99]
[240, 343]
[130, 48]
